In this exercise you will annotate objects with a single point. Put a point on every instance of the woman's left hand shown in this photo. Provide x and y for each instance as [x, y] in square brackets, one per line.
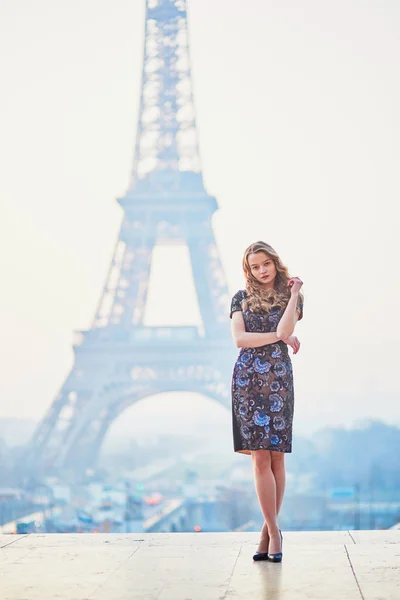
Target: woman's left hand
[293, 342]
[295, 284]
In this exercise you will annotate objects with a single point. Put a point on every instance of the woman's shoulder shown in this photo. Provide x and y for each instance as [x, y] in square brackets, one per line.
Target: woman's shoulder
[237, 299]
[240, 294]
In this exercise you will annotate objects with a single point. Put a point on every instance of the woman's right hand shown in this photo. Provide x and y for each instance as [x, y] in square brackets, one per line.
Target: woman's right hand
[294, 285]
[294, 342]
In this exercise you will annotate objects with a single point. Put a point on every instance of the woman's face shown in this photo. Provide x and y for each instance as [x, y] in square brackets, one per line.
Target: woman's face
[262, 268]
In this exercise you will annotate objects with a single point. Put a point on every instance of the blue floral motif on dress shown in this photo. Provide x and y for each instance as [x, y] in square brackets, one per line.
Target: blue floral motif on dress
[280, 369]
[276, 402]
[279, 423]
[275, 386]
[274, 439]
[274, 318]
[246, 358]
[242, 379]
[261, 367]
[276, 351]
[245, 431]
[260, 418]
[243, 410]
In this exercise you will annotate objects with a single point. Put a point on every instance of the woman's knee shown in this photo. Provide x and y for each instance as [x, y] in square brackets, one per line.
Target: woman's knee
[277, 459]
[261, 460]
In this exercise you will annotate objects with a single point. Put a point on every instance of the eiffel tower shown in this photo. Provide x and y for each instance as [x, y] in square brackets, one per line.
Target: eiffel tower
[119, 360]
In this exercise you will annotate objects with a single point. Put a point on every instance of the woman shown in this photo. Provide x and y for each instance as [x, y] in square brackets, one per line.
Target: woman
[264, 316]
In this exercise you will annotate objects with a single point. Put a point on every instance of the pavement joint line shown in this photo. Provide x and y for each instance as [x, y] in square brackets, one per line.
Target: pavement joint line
[352, 537]
[13, 541]
[161, 591]
[112, 573]
[354, 573]
[233, 569]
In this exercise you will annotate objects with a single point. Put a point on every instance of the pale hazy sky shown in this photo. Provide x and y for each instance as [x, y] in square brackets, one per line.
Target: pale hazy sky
[298, 114]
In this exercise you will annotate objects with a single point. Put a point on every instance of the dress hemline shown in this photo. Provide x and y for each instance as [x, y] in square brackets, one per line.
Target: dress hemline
[248, 452]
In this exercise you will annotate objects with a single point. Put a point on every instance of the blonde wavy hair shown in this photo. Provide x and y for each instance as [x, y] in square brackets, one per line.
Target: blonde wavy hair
[258, 298]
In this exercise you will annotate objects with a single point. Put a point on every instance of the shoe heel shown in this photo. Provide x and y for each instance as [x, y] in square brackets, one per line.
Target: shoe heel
[279, 555]
[261, 555]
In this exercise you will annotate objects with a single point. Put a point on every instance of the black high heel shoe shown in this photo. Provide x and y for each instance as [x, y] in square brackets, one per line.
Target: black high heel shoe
[278, 556]
[261, 555]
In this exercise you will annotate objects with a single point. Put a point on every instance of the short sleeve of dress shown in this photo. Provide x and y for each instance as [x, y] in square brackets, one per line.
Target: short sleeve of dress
[236, 303]
[300, 304]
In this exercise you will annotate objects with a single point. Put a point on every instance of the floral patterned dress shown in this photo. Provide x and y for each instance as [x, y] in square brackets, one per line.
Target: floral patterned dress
[262, 386]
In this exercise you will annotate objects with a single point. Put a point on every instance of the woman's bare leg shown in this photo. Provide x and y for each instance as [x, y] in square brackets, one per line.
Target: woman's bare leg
[278, 469]
[266, 491]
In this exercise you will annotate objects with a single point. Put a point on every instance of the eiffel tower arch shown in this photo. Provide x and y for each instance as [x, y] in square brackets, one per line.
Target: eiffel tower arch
[119, 360]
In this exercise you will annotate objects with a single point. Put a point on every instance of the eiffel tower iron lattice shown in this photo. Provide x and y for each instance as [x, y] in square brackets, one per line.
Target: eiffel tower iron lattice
[119, 360]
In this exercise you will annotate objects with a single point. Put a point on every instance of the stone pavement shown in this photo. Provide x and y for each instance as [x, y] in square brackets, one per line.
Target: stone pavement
[345, 565]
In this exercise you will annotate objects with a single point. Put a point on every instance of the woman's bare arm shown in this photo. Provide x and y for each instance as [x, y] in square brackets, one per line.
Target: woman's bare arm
[247, 339]
[289, 318]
